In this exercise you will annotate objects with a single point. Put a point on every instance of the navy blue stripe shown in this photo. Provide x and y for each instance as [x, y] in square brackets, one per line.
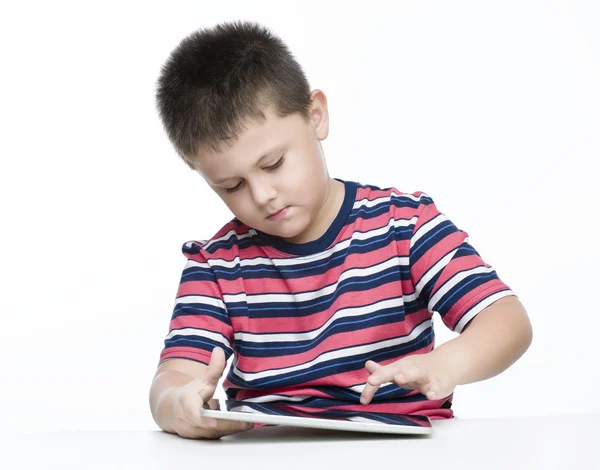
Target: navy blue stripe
[197, 342]
[200, 309]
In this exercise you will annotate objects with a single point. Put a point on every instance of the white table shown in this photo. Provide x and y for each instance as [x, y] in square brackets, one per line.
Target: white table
[561, 442]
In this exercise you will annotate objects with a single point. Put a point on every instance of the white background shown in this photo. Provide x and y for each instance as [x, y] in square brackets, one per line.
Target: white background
[492, 108]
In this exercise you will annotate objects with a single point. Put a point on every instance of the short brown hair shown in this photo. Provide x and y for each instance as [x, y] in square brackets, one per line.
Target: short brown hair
[220, 78]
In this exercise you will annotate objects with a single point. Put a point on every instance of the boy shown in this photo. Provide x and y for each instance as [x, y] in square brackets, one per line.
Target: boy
[322, 289]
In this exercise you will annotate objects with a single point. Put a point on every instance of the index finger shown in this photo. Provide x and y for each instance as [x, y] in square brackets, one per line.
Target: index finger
[369, 390]
[383, 374]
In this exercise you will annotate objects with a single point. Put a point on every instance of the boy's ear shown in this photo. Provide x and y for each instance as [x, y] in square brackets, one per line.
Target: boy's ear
[319, 113]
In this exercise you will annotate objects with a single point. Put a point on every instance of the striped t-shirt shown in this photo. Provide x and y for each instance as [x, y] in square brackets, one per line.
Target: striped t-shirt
[302, 319]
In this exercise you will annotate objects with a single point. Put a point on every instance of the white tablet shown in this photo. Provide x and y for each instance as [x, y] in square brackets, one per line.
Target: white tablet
[340, 420]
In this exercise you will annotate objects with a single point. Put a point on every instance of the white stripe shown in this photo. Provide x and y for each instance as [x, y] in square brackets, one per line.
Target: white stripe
[200, 299]
[221, 263]
[360, 387]
[195, 242]
[479, 307]
[270, 398]
[386, 199]
[429, 275]
[453, 281]
[405, 223]
[196, 264]
[304, 336]
[340, 353]
[362, 419]
[427, 227]
[225, 237]
[246, 409]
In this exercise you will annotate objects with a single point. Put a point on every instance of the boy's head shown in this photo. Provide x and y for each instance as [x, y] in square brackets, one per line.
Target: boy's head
[238, 109]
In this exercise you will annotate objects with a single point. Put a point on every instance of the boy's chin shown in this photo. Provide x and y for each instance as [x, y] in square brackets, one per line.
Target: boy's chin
[297, 236]
[287, 235]
[286, 231]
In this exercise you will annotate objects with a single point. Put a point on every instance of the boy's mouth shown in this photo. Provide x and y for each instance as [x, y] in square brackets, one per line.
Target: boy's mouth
[279, 214]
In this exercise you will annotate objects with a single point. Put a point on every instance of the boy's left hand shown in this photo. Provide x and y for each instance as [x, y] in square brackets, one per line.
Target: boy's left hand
[419, 372]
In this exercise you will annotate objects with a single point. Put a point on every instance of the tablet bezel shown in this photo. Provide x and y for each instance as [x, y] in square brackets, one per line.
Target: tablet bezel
[310, 422]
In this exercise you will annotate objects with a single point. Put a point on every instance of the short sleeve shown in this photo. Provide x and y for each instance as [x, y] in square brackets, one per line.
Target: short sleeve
[448, 273]
[200, 320]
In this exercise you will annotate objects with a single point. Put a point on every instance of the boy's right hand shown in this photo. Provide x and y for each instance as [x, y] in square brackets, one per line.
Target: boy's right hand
[197, 394]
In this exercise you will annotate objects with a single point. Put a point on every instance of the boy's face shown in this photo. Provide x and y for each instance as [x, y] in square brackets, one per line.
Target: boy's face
[274, 165]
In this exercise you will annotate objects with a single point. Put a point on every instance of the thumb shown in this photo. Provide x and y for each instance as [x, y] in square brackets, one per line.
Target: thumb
[216, 366]
[210, 379]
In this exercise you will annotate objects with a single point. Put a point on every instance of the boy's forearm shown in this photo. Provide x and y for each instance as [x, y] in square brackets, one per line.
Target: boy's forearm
[162, 393]
[498, 336]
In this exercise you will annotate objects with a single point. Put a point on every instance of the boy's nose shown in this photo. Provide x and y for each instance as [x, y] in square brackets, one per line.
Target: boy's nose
[262, 194]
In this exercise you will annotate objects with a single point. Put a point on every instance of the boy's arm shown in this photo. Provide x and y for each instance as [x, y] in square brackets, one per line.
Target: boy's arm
[170, 376]
[495, 339]
[498, 336]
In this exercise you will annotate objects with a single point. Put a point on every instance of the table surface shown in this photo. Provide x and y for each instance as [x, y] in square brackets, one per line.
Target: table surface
[547, 442]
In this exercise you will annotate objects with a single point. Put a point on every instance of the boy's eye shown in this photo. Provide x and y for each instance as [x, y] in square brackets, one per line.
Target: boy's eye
[268, 168]
[275, 165]
[235, 188]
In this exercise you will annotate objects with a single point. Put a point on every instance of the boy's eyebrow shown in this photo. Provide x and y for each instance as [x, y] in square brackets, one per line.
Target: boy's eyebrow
[265, 155]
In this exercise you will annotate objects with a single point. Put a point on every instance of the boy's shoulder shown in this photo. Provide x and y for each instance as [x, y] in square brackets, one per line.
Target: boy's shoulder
[228, 235]
[402, 204]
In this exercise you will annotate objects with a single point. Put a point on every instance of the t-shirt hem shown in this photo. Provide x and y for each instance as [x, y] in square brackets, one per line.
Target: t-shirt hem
[463, 319]
[175, 354]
